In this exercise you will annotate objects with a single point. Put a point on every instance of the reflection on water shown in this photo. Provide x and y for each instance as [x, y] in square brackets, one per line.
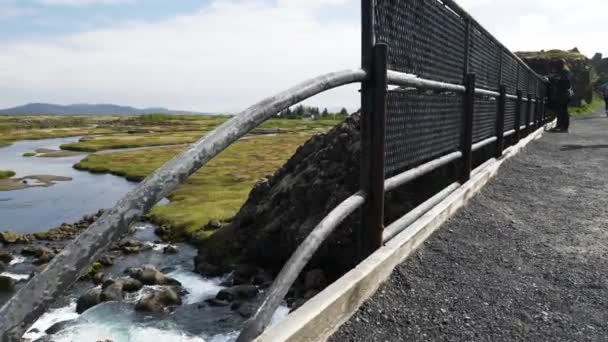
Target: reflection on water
[39, 208]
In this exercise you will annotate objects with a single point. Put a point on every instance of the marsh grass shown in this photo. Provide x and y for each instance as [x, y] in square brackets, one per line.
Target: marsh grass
[216, 191]
[4, 174]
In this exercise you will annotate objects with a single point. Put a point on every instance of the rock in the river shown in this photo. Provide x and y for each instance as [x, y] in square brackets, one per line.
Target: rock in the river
[216, 302]
[35, 251]
[238, 292]
[57, 327]
[44, 258]
[159, 301]
[111, 291]
[170, 249]
[131, 250]
[7, 284]
[9, 237]
[98, 278]
[6, 257]
[89, 299]
[149, 275]
[130, 284]
[2, 266]
[107, 260]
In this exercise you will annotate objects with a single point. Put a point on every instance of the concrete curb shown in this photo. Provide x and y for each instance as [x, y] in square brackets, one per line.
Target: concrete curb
[321, 316]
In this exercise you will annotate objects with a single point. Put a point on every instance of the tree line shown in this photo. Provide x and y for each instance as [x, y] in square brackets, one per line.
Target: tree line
[307, 112]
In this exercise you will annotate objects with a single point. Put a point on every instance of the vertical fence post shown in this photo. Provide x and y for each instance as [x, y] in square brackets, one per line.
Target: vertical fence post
[371, 219]
[537, 117]
[500, 121]
[518, 104]
[373, 210]
[528, 112]
[466, 145]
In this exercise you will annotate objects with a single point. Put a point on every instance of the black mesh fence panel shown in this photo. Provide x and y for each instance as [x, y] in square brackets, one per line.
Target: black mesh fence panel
[420, 127]
[484, 118]
[424, 38]
[510, 114]
[509, 72]
[484, 60]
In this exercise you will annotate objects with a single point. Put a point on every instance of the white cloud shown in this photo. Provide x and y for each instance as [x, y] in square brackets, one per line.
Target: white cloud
[225, 57]
[83, 2]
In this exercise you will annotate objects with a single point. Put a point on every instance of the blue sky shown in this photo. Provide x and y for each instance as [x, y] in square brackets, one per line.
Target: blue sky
[223, 55]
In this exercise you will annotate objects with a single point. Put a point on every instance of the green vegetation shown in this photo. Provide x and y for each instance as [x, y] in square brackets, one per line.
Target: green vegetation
[573, 54]
[6, 174]
[587, 108]
[29, 154]
[216, 191]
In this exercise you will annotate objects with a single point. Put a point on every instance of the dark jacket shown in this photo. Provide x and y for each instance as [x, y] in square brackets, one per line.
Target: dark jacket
[563, 84]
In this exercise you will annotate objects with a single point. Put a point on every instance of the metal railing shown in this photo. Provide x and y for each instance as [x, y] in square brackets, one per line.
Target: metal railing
[382, 113]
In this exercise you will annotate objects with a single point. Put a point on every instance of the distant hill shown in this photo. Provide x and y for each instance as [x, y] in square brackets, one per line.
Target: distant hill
[85, 109]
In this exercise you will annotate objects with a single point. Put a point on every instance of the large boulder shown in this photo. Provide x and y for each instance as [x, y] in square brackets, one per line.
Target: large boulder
[149, 275]
[7, 284]
[89, 299]
[111, 291]
[159, 301]
[6, 257]
[9, 237]
[238, 292]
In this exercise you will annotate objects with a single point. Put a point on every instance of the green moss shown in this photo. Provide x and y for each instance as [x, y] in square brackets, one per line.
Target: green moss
[96, 267]
[6, 174]
[29, 154]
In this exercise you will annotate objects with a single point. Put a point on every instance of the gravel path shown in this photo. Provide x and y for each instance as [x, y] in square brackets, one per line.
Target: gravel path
[526, 260]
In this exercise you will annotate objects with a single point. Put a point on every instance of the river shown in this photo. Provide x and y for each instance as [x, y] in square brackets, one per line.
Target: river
[40, 208]
[37, 209]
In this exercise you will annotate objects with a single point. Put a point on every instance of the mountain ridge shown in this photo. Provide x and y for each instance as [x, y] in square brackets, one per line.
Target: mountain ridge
[42, 108]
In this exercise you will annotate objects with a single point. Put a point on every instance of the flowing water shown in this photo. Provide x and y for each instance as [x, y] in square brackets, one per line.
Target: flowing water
[40, 208]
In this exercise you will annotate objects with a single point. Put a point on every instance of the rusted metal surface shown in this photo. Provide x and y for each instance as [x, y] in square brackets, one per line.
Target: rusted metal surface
[291, 270]
[22, 310]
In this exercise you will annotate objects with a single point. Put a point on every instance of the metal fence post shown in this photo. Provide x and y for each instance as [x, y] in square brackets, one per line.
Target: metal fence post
[537, 118]
[518, 104]
[528, 113]
[500, 121]
[373, 210]
[366, 241]
[467, 128]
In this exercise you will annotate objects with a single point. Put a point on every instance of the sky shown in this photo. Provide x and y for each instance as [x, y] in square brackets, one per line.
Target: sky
[224, 55]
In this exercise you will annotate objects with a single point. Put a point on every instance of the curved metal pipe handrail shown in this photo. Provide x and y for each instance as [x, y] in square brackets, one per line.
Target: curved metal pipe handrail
[403, 79]
[298, 260]
[296, 263]
[476, 146]
[19, 313]
[402, 223]
[400, 179]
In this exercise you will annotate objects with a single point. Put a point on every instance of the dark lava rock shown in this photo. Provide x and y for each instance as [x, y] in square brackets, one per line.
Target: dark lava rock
[89, 299]
[315, 280]
[130, 285]
[57, 327]
[2, 266]
[217, 302]
[238, 292]
[44, 258]
[159, 301]
[98, 278]
[7, 284]
[6, 257]
[131, 250]
[284, 208]
[107, 260]
[35, 251]
[211, 270]
[170, 250]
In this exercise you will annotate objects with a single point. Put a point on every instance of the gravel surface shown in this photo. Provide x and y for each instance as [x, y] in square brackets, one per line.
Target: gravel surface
[526, 260]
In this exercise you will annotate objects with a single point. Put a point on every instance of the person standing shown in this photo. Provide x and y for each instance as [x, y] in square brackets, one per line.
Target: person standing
[563, 94]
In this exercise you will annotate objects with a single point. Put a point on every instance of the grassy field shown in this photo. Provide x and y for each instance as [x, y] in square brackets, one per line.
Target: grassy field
[6, 174]
[219, 189]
